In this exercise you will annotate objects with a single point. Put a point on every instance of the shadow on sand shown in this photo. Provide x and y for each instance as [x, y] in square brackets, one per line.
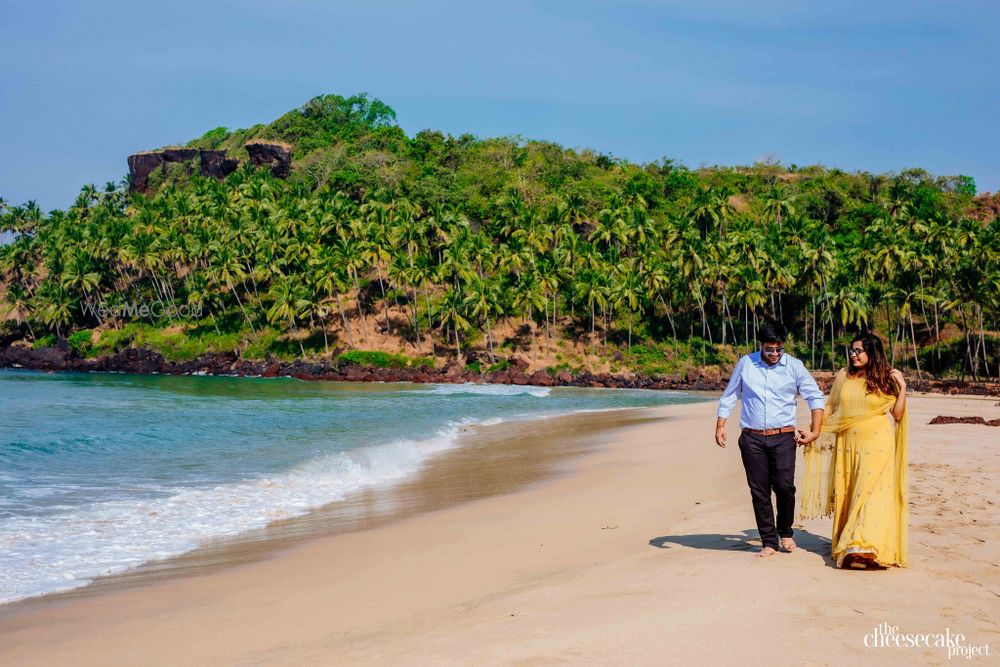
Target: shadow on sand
[748, 540]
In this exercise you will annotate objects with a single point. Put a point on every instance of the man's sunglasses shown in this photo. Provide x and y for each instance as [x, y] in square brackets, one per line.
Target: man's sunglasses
[772, 350]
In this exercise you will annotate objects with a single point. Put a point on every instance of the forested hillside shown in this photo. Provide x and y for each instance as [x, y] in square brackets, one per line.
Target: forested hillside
[436, 246]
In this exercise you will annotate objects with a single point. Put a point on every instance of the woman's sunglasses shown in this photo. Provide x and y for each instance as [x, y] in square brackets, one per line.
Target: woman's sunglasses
[856, 351]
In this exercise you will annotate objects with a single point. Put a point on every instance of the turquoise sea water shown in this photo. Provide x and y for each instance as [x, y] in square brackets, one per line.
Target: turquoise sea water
[102, 472]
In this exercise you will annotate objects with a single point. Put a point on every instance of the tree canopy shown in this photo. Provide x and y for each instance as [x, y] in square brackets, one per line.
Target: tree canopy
[436, 240]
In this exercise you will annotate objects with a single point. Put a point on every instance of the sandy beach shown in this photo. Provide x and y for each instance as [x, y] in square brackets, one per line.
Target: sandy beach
[635, 550]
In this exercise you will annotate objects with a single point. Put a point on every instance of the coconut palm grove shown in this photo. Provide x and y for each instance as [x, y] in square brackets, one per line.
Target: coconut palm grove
[385, 248]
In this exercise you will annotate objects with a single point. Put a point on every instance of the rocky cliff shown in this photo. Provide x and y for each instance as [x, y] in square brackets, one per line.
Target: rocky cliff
[276, 156]
[208, 163]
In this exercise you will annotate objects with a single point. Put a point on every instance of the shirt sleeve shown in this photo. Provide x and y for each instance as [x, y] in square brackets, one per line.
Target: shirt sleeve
[808, 388]
[732, 392]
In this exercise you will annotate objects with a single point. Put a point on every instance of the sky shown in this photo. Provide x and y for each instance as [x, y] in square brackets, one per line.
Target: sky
[861, 86]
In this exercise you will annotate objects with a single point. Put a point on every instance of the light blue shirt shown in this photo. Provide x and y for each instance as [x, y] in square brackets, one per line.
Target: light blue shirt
[768, 392]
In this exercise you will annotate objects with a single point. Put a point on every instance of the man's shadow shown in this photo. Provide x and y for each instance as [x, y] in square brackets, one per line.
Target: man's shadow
[748, 541]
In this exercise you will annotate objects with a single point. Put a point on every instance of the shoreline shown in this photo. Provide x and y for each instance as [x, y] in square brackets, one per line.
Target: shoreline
[642, 551]
[142, 361]
[425, 491]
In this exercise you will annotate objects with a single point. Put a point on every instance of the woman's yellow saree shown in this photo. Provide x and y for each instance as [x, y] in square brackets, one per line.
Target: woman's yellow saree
[859, 475]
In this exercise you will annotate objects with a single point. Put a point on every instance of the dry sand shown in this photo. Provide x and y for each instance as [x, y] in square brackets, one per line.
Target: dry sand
[639, 554]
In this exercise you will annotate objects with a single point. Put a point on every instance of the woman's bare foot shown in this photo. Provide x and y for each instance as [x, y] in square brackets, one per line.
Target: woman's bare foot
[861, 561]
[855, 562]
[788, 544]
[766, 552]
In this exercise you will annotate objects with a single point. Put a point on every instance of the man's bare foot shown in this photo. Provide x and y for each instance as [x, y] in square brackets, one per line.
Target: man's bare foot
[766, 552]
[788, 544]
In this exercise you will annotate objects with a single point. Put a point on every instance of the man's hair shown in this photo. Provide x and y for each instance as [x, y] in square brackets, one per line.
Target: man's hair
[772, 331]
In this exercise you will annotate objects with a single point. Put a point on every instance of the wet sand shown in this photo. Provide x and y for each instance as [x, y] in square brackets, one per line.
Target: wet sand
[639, 551]
[488, 460]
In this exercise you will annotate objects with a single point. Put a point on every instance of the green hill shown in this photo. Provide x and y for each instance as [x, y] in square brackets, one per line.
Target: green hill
[436, 245]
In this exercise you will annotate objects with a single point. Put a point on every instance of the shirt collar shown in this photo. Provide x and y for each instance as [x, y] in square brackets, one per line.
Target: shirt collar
[757, 358]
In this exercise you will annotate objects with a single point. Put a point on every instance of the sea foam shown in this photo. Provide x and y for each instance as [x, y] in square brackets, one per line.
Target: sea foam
[492, 389]
[48, 554]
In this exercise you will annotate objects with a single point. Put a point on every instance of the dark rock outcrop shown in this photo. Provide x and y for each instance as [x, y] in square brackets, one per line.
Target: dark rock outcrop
[957, 420]
[954, 387]
[278, 157]
[214, 164]
[180, 155]
[541, 379]
[965, 420]
[44, 358]
[140, 166]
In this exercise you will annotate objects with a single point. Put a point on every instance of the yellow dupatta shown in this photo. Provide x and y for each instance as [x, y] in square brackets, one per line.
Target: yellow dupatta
[819, 469]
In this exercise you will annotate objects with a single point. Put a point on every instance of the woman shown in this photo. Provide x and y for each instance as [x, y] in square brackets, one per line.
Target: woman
[860, 477]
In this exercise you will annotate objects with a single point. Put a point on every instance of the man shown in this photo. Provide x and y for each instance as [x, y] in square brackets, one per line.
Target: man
[767, 382]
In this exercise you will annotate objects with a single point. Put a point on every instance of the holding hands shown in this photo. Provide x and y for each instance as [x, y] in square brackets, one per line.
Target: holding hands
[804, 437]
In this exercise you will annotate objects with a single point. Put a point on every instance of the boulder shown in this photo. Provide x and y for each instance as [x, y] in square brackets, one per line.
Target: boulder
[134, 360]
[541, 379]
[517, 377]
[272, 370]
[44, 358]
[957, 420]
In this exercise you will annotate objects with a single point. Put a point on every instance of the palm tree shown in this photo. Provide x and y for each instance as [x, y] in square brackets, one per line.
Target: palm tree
[778, 205]
[349, 256]
[626, 292]
[79, 277]
[591, 287]
[527, 296]
[20, 305]
[710, 209]
[55, 306]
[290, 302]
[452, 316]
[227, 270]
[482, 298]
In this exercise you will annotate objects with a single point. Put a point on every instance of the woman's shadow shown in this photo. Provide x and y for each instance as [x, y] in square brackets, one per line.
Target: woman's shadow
[748, 540]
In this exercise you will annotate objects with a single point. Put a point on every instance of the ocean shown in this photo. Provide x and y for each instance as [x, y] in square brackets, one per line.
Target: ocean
[100, 473]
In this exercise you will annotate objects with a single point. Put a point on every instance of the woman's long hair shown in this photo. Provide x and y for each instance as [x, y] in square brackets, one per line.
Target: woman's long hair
[876, 371]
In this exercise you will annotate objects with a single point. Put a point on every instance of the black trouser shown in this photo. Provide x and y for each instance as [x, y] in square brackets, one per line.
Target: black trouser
[770, 464]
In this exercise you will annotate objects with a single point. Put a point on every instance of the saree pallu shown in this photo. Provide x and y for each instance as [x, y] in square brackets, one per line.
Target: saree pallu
[857, 472]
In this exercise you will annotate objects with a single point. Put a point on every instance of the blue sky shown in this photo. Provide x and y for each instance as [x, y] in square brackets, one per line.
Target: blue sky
[870, 86]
